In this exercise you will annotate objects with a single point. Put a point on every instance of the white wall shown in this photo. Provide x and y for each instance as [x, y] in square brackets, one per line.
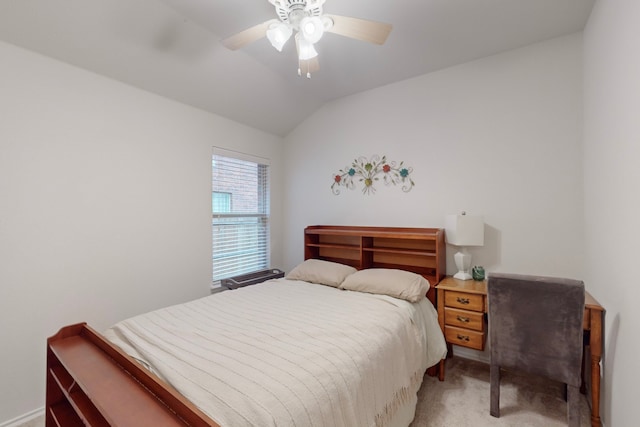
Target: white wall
[105, 193]
[105, 198]
[500, 136]
[612, 197]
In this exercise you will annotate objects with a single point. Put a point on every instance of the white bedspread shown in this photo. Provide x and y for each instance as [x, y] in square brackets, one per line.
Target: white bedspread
[289, 353]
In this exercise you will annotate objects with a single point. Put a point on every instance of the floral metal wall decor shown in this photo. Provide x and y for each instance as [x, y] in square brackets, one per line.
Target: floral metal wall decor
[369, 171]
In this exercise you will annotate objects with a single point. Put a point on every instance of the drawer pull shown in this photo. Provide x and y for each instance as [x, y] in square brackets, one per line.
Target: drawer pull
[462, 300]
[462, 319]
[464, 338]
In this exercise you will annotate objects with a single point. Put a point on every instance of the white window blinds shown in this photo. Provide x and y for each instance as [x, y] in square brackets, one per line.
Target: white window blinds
[240, 214]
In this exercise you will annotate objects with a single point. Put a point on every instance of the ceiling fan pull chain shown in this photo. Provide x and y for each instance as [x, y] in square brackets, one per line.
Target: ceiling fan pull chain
[300, 73]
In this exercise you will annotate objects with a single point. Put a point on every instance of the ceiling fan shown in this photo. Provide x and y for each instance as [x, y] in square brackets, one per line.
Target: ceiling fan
[305, 18]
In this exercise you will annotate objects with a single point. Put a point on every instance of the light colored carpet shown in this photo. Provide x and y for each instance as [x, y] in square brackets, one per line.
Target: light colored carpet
[462, 400]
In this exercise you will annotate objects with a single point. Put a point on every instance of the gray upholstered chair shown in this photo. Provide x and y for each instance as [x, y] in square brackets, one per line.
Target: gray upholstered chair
[535, 325]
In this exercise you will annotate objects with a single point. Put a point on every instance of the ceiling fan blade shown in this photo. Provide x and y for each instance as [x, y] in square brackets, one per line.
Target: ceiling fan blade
[360, 29]
[247, 36]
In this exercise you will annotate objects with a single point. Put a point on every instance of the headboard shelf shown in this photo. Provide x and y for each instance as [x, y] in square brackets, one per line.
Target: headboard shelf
[401, 251]
[335, 245]
[420, 250]
[393, 232]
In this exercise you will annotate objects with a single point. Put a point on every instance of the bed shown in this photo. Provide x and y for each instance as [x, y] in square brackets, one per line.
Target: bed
[325, 346]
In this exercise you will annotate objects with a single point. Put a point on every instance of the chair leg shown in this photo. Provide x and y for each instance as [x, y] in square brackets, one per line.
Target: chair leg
[494, 374]
[573, 405]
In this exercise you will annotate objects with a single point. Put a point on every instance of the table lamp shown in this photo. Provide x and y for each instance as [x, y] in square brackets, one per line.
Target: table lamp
[464, 230]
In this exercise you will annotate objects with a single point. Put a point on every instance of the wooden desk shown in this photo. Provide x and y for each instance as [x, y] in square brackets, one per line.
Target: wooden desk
[593, 319]
[592, 323]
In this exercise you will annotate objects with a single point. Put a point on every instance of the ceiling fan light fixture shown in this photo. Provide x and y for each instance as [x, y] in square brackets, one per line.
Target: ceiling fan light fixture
[327, 22]
[306, 50]
[278, 34]
[312, 28]
[305, 18]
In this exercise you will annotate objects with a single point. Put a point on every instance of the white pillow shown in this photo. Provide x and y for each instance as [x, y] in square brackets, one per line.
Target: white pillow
[395, 283]
[320, 271]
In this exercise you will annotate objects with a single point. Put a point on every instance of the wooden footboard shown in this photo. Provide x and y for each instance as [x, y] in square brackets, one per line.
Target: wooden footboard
[91, 382]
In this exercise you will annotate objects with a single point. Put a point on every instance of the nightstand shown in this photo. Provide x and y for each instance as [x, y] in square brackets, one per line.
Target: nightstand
[462, 305]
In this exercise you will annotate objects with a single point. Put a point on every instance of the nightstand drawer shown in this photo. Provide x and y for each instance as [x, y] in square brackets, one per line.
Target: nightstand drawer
[464, 319]
[464, 337]
[466, 301]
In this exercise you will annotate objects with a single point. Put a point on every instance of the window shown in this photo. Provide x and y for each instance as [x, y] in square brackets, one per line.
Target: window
[240, 214]
[221, 202]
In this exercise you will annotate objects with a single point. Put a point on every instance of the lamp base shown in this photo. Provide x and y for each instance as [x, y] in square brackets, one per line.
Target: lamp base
[462, 275]
[463, 263]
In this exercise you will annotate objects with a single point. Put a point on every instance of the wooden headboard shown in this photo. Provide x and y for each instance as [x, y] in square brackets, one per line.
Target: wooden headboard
[420, 250]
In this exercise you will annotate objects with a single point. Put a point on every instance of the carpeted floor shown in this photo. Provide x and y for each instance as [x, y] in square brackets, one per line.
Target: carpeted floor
[462, 400]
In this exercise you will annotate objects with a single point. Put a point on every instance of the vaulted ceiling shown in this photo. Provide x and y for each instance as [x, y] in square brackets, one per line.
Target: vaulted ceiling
[172, 47]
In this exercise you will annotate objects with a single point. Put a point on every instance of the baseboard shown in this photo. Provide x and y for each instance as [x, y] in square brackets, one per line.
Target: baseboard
[25, 418]
[217, 288]
[467, 353]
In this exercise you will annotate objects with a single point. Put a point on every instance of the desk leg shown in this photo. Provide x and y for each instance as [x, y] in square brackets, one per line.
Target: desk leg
[596, 354]
[440, 304]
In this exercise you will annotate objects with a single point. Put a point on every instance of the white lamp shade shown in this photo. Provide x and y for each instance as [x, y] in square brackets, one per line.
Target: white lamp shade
[464, 230]
[306, 50]
[311, 28]
[278, 34]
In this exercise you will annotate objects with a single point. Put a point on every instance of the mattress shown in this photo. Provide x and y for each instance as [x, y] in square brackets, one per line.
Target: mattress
[290, 353]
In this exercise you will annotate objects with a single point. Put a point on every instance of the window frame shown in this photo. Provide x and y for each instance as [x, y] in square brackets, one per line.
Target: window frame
[262, 213]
